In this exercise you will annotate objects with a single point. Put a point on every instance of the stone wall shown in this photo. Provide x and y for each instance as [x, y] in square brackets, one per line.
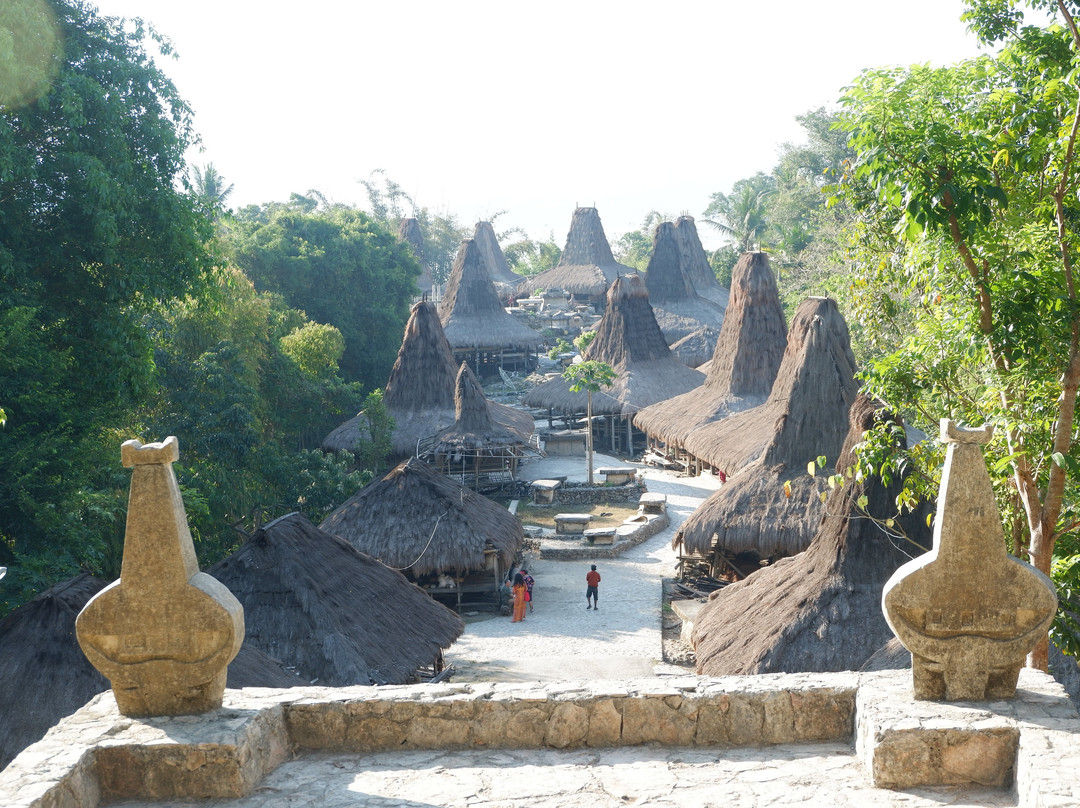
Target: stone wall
[582, 493]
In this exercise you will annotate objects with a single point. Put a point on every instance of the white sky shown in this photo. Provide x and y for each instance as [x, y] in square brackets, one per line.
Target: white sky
[533, 108]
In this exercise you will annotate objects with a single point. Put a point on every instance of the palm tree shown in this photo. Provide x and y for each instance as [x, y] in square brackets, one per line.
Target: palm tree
[210, 187]
[742, 216]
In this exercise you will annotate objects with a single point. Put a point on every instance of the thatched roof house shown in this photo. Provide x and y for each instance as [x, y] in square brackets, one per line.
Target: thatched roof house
[480, 331]
[587, 267]
[678, 308]
[747, 356]
[629, 340]
[764, 448]
[46, 675]
[409, 232]
[695, 263]
[423, 523]
[821, 610]
[338, 616]
[498, 269]
[420, 392]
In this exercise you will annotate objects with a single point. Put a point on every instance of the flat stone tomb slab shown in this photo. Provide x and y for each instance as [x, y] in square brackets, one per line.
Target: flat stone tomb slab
[544, 491]
[572, 524]
[600, 535]
[653, 503]
[618, 476]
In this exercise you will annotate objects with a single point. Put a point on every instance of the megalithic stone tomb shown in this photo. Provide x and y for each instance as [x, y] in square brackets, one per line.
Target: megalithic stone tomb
[967, 610]
[164, 633]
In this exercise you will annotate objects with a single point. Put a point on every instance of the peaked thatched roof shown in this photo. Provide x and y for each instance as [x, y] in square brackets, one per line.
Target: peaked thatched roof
[805, 416]
[418, 520]
[747, 356]
[38, 647]
[420, 392]
[587, 266]
[498, 269]
[697, 347]
[338, 616]
[820, 610]
[695, 263]
[471, 312]
[678, 308]
[409, 232]
[473, 426]
[629, 340]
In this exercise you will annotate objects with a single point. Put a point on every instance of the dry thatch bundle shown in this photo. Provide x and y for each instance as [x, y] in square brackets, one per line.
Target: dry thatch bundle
[472, 315]
[629, 340]
[505, 279]
[678, 308]
[38, 644]
[338, 616]
[695, 263]
[587, 267]
[696, 348]
[417, 520]
[747, 356]
[420, 392]
[409, 232]
[820, 610]
[805, 416]
[473, 426]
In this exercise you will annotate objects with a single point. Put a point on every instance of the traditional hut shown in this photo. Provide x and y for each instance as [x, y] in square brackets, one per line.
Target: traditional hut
[434, 530]
[770, 505]
[409, 232]
[475, 450]
[679, 310]
[747, 356]
[629, 340]
[587, 267]
[498, 269]
[420, 393]
[338, 616]
[480, 331]
[821, 610]
[695, 263]
[38, 646]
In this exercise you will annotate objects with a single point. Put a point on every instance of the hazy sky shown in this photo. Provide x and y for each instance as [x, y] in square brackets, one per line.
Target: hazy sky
[532, 108]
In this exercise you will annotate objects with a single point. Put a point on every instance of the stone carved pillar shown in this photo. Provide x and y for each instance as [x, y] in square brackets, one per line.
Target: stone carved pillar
[164, 633]
[967, 610]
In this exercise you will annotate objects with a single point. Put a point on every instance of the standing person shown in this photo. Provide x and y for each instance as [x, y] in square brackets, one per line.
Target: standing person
[529, 581]
[520, 592]
[592, 590]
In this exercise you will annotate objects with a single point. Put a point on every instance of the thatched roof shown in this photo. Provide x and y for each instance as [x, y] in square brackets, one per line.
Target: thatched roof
[418, 520]
[338, 616]
[471, 312]
[747, 356]
[409, 232]
[697, 347]
[820, 610]
[695, 263]
[805, 416]
[38, 647]
[498, 269]
[629, 340]
[587, 266]
[678, 308]
[420, 392]
[473, 426]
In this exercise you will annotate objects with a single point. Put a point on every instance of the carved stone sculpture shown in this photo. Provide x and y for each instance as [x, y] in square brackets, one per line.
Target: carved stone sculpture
[967, 611]
[164, 633]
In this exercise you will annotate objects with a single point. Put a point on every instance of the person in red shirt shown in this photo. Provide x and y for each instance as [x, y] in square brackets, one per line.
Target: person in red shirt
[592, 592]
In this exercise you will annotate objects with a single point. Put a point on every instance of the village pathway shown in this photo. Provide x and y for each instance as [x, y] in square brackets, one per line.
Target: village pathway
[560, 638]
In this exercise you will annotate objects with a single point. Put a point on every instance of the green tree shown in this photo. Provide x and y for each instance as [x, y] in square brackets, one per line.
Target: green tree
[741, 215]
[591, 376]
[210, 188]
[338, 266]
[967, 185]
[96, 233]
[529, 257]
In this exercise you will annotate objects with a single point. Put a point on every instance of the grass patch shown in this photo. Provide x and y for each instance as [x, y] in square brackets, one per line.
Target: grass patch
[605, 514]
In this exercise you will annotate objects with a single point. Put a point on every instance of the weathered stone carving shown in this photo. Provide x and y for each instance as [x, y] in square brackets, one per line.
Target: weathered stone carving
[967, 610]
[164, 633]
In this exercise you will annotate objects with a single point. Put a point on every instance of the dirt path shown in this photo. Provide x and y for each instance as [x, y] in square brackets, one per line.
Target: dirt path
[560, 639]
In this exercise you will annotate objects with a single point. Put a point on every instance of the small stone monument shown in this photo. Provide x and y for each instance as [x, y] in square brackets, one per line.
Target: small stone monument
[967, 611]
[164, 633]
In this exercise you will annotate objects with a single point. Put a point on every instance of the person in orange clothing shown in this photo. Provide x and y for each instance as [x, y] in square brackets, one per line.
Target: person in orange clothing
[520, 593]
[592, 591]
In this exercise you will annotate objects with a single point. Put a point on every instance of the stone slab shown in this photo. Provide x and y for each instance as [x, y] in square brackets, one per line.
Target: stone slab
[572, 524]
[687, 611]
